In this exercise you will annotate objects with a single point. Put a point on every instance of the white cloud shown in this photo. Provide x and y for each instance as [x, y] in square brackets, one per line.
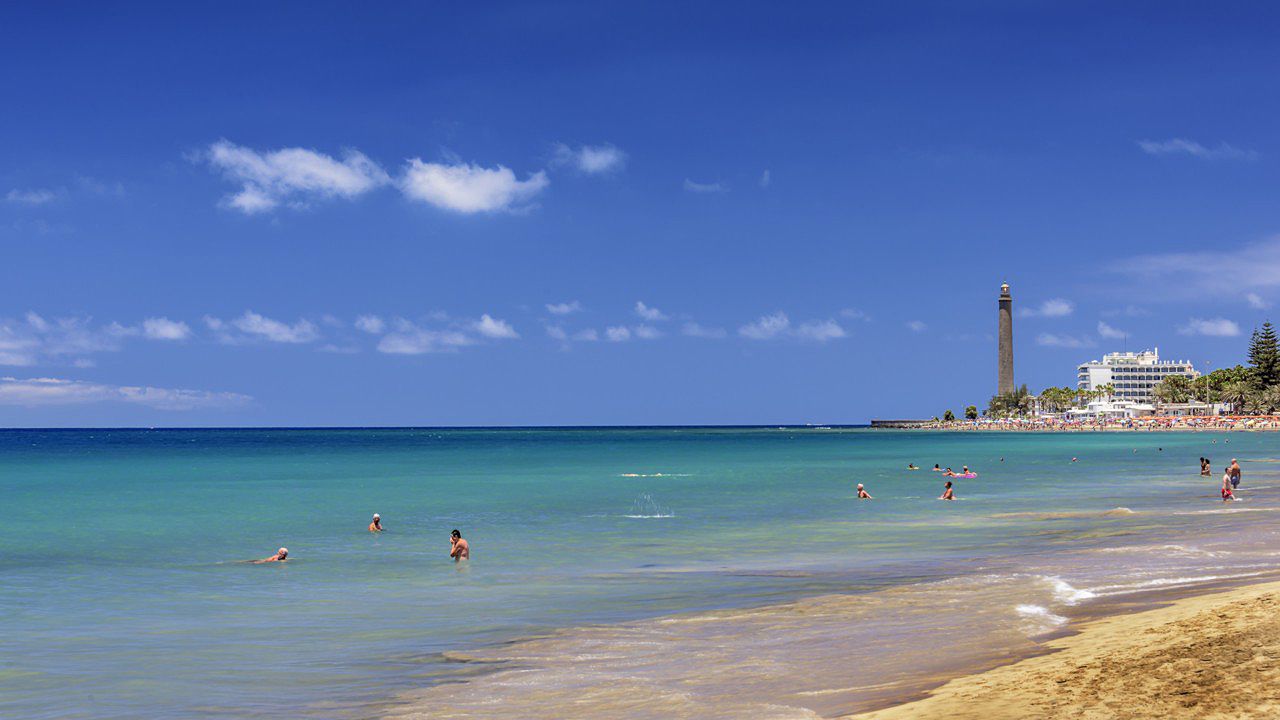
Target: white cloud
[1182, 146]
[31, 197]
[587, 335]
[269, 178]
[251, 323]
[916, 326]
[468, 189]
[35, 392]
[410, 339]
[820, 330]
[765, 179]
[1212, 327]
[1063, 341]
[697, 187]
[564, 308]
[1109, 332]
[617, 333]
[693, 329]
[646, 332]
[557, 332]
[855, 314]
[1054, 307]
[652, 314]
[163, 328]
[591, 159]
[491, 327]
[1256, 302]
[766, 327]
[371, 324]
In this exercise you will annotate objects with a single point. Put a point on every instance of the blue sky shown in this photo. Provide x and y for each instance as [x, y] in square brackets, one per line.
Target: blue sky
[618, 213]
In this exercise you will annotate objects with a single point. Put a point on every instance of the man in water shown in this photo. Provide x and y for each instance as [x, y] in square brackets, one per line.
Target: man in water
[281, 555]
[1227, 494]
[1235, 473]
[458, 548]
[863, 494]
[936, 468]
[376, 525]
[947, 493]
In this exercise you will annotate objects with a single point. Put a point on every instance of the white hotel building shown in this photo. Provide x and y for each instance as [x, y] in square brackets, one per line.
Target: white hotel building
[1134, 375]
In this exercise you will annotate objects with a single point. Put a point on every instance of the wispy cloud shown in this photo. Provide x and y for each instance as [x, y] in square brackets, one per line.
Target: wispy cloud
[494, 328]
[270, 178]
[1192, 274]
[469, 189]
[1054, 307]
[766, 179]
[778, 325]
[408, 338]
[43, 391]
[1063, 341]
[1212, 327]
[1256, 301]
[652, 314]
[1110, 332]
[371, 324]
[590, 159]
[35, 339]
[39, 196]
[1182, 146]
[617, 333]
[855, 314]
[564, 308]
[252, 326]
[916, 326]
[693, 329]
[697, 187]
[163, 328]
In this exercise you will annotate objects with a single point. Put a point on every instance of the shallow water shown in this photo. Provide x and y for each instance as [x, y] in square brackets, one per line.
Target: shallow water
[659, 572]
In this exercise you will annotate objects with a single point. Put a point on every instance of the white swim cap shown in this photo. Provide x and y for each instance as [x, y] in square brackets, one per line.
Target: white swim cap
[376, 516]
[284, 550]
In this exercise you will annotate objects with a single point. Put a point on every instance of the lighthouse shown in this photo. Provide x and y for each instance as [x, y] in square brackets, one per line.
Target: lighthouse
[1005, 383]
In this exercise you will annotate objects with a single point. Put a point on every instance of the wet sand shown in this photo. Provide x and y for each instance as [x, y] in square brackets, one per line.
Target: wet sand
[1210, 656]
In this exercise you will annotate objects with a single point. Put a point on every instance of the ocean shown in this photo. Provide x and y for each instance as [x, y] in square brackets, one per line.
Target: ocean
[615, 572]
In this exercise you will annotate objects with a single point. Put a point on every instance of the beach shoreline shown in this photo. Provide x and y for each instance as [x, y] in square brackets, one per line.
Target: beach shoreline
[1208, 655]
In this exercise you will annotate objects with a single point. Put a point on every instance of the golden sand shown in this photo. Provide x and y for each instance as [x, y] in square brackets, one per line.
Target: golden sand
[1210, 657]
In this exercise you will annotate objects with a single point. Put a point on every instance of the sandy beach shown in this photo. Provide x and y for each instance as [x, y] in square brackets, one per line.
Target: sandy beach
[1210, 656]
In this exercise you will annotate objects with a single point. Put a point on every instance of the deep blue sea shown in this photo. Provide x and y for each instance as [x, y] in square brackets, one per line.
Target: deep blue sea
[615, 572]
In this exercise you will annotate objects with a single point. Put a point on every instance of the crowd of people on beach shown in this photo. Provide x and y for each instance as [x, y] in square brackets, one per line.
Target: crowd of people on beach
[459, 549]
[1145, 423]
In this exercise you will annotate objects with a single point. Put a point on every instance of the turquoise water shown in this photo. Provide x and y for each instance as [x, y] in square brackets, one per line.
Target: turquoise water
[121, 594]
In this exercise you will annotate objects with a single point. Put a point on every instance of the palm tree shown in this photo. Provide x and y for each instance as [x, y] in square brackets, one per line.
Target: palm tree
[1236, 393]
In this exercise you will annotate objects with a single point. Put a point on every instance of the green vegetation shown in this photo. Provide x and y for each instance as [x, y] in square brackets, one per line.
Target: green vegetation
[971, 412]
[948, 416]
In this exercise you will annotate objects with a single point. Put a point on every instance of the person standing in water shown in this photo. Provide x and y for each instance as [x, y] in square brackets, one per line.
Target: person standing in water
[863, 494]
[458, 548]
[947, 492]
[1227, 494]
[376, 525]
[1235, 473]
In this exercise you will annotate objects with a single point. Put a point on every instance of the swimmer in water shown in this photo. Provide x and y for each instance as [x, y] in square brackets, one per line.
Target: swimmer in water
[458, 548]
[912, 467]
[1227, 494]
[863, 494]
[376, 525]
[1075, 459]
[947, 493]
[1235, 473]
[281, 555]
[936, 468]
